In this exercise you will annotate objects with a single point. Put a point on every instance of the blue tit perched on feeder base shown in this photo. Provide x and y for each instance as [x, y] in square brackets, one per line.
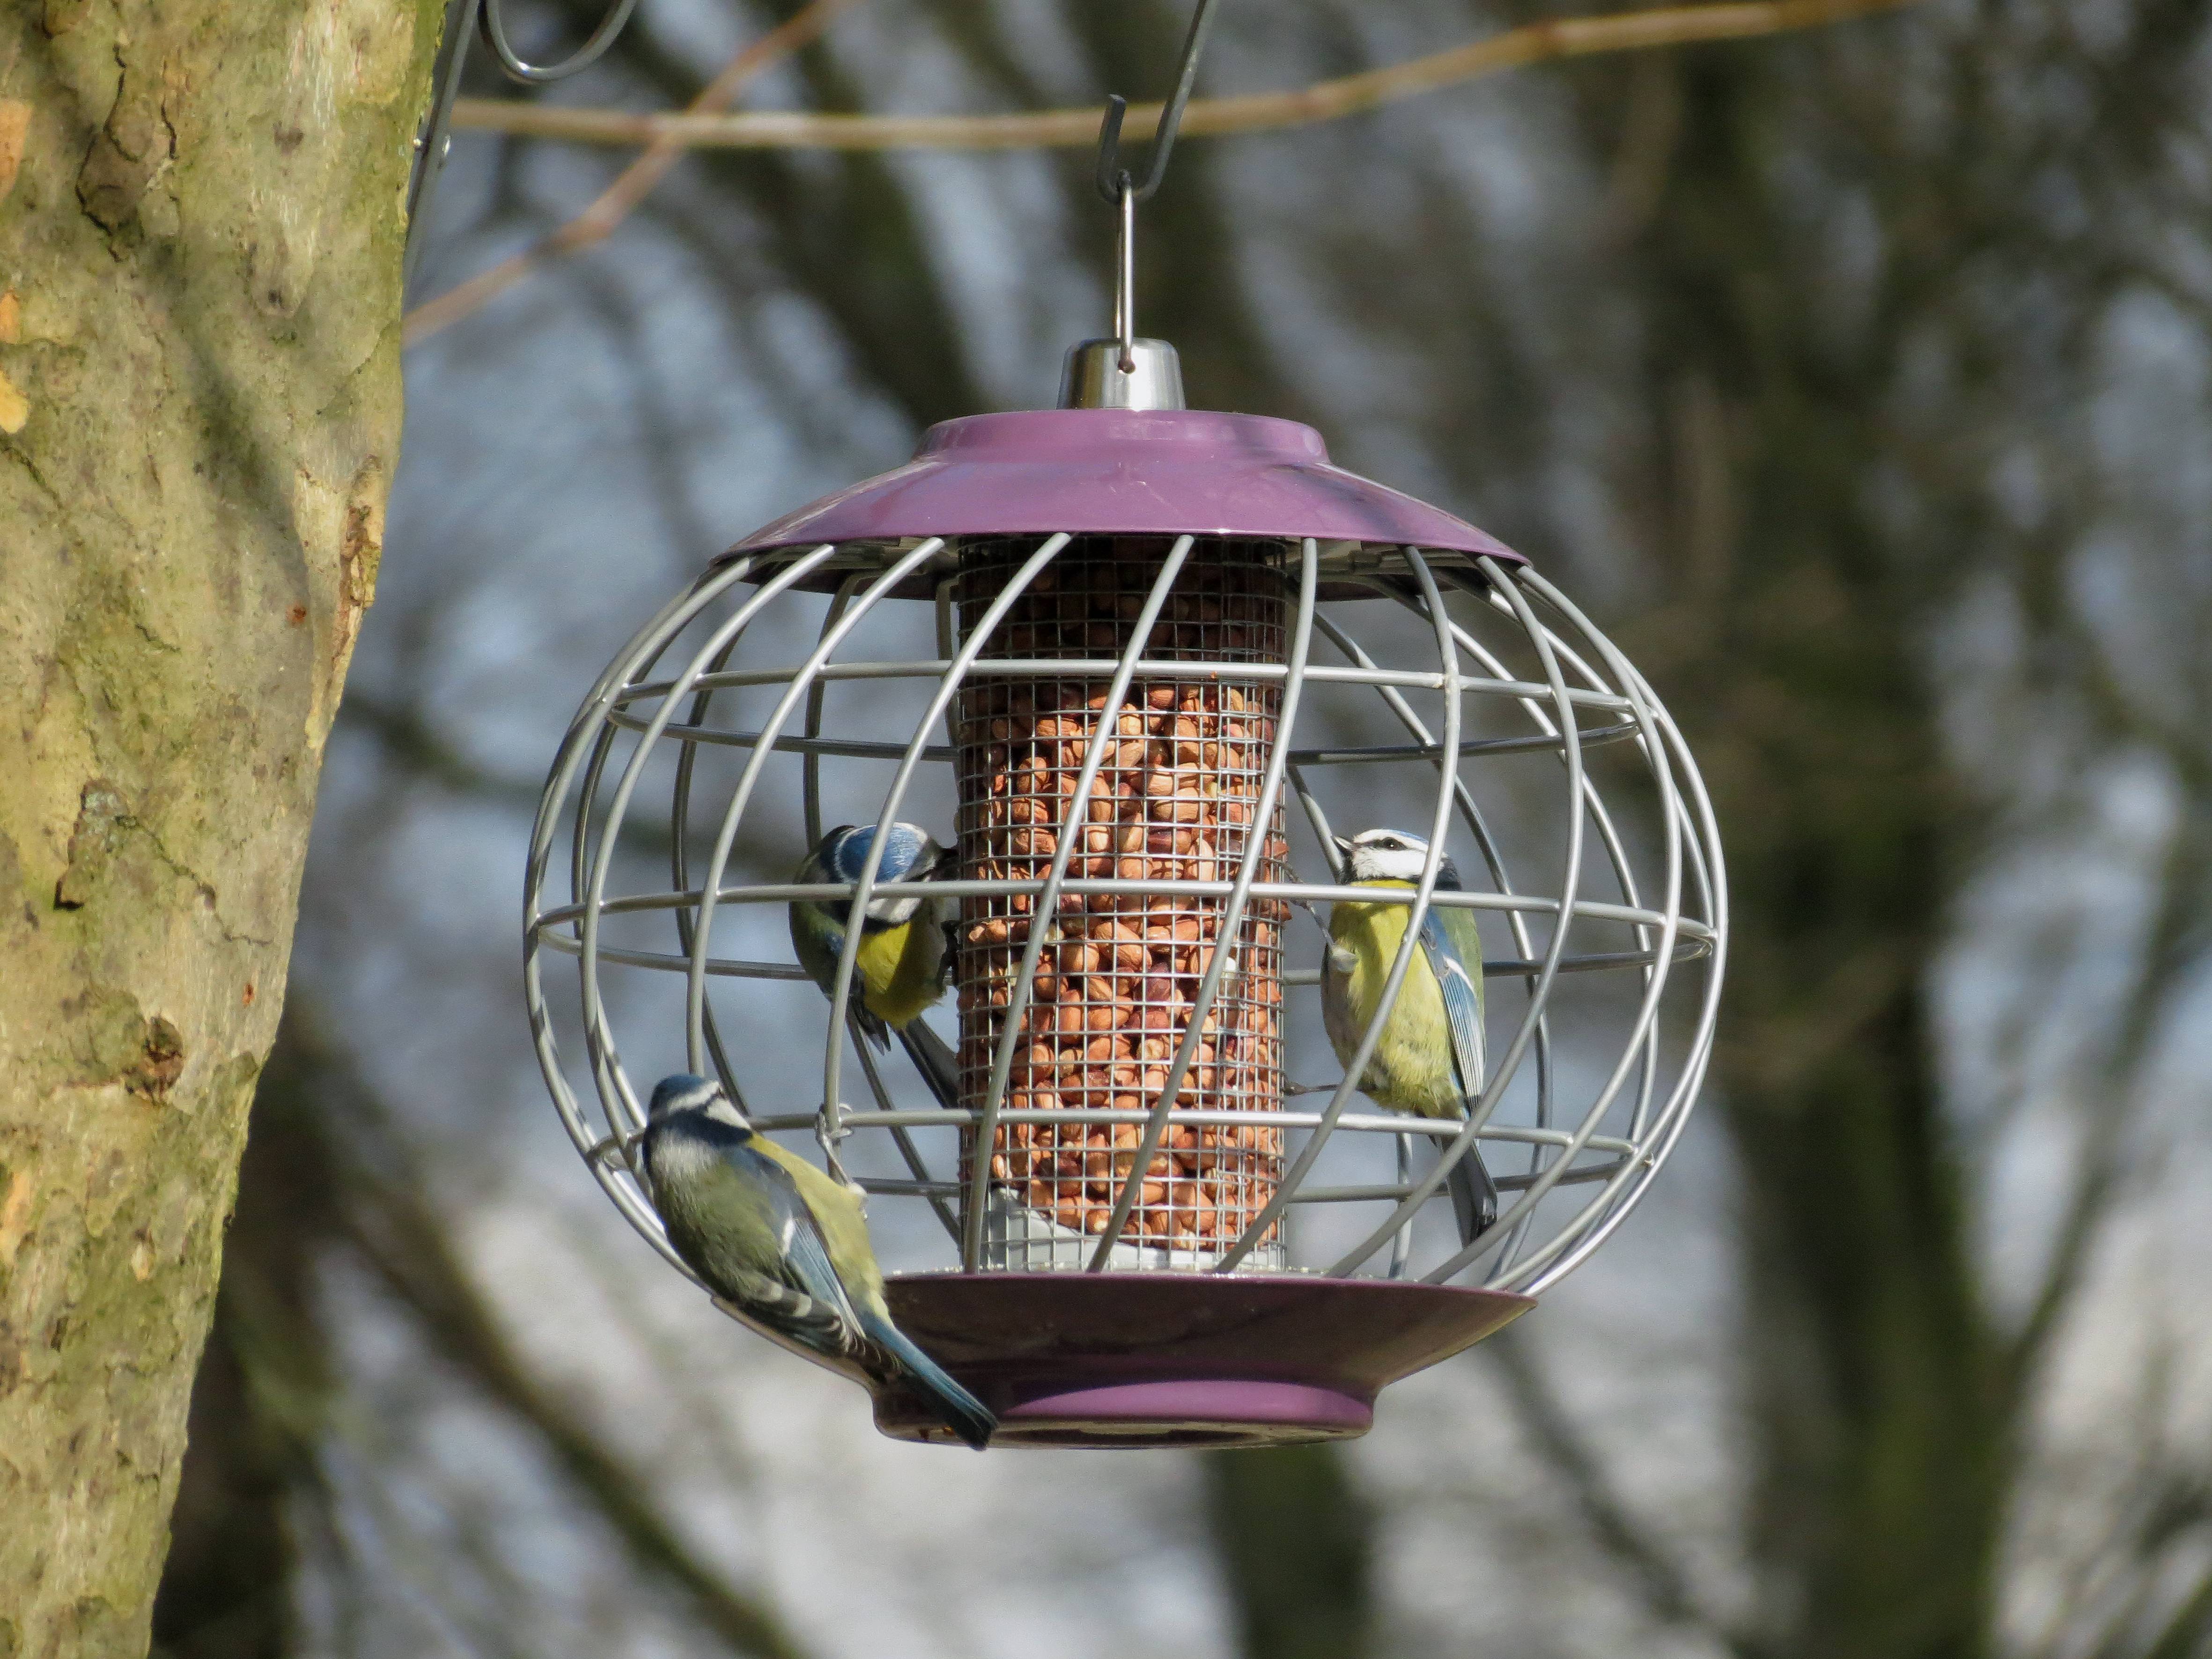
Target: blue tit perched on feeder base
[784, 1245]
[1430, 1061]
[899, 970]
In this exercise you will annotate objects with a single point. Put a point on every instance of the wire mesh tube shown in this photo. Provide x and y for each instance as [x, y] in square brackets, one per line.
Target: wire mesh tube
[1175, 789]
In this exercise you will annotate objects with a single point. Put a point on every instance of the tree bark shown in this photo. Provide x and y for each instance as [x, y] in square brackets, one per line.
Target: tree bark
[200, 231]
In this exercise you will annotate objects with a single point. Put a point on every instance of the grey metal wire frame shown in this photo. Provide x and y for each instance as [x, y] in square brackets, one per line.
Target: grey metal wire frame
[1586, 1163]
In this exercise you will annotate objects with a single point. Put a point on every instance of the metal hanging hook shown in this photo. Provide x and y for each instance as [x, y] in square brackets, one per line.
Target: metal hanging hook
[1123, 372]
[463, 19]
[1113, 179]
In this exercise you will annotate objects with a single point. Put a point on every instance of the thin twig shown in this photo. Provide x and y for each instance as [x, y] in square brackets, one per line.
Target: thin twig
[375, 1187]
[1325, 101]
[1665, 1586]
[635, 182]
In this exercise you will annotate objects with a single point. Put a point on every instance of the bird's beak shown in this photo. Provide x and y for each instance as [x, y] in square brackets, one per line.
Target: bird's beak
[946, 867]
[1343, 844]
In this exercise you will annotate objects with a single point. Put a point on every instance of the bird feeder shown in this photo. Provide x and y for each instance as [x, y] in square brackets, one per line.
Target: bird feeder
[1130, 674]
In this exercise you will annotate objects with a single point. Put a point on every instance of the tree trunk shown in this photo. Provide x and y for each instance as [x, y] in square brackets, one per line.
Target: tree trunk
[1296, 1544]
[200, 235]
[1787, 644]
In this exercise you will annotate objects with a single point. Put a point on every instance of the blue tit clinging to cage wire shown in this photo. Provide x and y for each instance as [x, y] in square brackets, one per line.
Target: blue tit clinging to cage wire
[899, 971]
[784, 1244]
[1428, 1060]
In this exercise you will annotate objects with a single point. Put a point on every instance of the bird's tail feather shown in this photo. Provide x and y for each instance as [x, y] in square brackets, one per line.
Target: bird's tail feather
[939, 1066]
[1473, 1196]
[961, 1411]
[870, 1025]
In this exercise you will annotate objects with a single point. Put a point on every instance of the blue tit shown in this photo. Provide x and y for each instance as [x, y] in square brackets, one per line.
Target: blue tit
[784, 1245]
[900, 968]
[1429, 1062]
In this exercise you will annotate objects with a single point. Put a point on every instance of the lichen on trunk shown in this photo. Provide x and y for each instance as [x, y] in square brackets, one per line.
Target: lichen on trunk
[200, 235]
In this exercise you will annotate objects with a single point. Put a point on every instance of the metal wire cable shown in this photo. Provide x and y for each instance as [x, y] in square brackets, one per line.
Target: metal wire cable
[463, 19]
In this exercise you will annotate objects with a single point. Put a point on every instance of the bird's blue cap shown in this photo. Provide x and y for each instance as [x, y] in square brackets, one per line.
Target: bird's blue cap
[845, 851]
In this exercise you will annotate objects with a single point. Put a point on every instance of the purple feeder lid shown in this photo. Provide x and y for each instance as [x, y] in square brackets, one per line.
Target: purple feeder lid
[1122, 472]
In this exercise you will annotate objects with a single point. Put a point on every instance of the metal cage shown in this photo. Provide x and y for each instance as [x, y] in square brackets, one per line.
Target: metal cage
[1092, 615]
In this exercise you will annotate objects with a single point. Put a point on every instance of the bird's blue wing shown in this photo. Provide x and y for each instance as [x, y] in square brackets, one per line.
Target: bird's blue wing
[1462, 1002]
[1474, 1194]
[805, 1298]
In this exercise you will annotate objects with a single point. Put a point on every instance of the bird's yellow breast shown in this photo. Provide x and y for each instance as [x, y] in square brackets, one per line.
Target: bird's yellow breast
[1411, 1070]
[900, 966]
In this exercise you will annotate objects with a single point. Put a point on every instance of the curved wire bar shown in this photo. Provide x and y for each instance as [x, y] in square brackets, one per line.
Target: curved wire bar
[1709, 873]
[1295, 892]
[903, 1138]
[1655, 759]
[1594, 1216]
[813, 745]
[679, 842]
[644, 648]
[1608, 836]
[621, 1107]
[1492, 856]
[1689, 949]
[727, 836]
[1367, 754]
[1377, 1123]
[1655, 988]
[1499, 1231]
[810, 815]
[1048, 900]
[810, 789]
[948, 687]
[1101, 667]
[599, 1039]
[1232, 914]
[1581, 670]
[1355, 1069]
[701, 701]
[1401, 1246]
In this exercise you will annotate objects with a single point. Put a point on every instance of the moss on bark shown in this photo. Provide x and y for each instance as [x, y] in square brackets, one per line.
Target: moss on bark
[200, 233]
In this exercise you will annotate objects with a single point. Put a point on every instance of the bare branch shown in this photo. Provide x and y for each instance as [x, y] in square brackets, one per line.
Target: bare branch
[2175, 943]
[406, 1243]
[1665, 1586]
[634, 183]
[1324, 100]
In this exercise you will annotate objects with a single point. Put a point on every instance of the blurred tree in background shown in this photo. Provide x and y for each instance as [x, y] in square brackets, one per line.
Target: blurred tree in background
[1862, 381]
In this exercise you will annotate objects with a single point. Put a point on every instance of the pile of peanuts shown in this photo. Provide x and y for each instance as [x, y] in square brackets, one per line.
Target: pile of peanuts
[1118, 975]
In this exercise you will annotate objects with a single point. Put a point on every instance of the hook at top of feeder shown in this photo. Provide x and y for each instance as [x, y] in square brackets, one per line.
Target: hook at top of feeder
[1124, 371]
[1113, 179]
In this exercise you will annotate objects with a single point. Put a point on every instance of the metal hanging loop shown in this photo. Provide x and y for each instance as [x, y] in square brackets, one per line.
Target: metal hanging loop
[1112, 177]
[495, 32]
[1121, 371]
[1125, 279]
[463, 19]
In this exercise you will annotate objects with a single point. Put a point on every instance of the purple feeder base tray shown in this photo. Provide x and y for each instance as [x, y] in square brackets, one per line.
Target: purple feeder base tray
[1177, 1358]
